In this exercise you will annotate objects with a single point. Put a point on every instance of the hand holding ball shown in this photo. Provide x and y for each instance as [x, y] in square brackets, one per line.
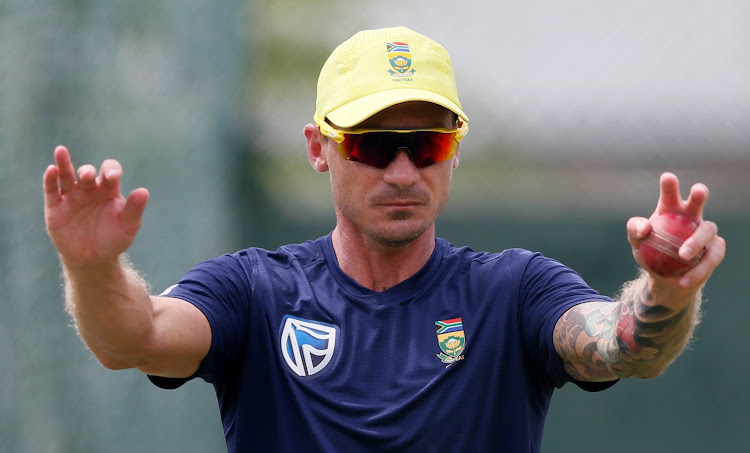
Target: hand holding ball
[659, 249]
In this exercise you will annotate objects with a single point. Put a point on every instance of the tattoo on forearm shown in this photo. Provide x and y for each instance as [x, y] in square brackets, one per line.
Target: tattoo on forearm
[636, 336]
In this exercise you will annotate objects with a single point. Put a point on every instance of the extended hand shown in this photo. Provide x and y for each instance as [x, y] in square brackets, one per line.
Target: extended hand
[705, 236]
[88, 219]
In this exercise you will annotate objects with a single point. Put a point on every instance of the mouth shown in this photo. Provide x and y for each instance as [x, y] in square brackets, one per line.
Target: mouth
[400, 203]
[405, 200]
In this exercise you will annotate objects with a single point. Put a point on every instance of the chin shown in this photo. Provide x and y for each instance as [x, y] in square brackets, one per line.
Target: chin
[397, 236]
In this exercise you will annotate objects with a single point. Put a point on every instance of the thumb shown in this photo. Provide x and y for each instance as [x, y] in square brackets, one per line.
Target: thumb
[132, 212]
[637, 228]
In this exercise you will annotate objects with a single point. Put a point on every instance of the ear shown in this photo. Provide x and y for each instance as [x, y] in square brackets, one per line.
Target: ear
[455, 158]
[315, 148]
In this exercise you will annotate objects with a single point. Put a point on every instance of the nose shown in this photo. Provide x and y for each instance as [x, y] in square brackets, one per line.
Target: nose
[401, 172]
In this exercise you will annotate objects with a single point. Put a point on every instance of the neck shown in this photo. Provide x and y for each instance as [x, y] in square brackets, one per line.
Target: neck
[376, 266]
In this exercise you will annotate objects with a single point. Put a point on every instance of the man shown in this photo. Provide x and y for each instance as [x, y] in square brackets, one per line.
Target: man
[379, 336]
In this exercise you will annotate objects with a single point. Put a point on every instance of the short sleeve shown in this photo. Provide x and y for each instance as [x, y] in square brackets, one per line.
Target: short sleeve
[547, 290]
[221, 289]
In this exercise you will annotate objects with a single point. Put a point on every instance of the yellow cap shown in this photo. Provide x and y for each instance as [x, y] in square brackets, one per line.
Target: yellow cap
[375, 69]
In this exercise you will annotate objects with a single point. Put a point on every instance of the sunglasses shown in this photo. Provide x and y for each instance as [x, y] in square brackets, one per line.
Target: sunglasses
[378, 147]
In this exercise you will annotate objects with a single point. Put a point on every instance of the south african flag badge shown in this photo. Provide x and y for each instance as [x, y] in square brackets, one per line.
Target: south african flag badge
[451, 339]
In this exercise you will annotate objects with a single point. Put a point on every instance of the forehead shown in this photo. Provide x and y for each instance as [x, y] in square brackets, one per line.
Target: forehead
[410, 115]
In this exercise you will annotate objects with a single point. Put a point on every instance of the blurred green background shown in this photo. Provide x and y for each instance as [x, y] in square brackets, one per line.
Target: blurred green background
[576, 109]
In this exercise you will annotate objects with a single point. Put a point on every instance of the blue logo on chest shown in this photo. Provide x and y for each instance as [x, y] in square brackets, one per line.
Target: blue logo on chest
[307, 346]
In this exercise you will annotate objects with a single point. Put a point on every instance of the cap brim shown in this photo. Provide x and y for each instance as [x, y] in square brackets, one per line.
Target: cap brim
[355, 112]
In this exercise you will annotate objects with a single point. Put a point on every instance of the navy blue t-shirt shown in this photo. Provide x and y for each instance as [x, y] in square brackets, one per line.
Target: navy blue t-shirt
[459, 357]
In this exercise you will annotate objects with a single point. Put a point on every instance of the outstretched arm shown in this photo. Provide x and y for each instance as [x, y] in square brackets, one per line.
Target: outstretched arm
[654, 316]
[92, 224]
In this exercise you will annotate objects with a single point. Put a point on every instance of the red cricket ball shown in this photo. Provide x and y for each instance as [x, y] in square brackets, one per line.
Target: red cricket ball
[659, 248]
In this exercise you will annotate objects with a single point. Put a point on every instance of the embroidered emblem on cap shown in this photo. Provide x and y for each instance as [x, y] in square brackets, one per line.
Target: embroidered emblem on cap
[399, 56]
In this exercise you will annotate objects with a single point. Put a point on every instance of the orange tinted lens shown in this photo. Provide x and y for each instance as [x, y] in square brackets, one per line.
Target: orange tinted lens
[378, 149]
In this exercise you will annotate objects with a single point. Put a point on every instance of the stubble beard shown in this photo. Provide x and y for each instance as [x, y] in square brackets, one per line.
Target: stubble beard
[398, 238]
[400, 230]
